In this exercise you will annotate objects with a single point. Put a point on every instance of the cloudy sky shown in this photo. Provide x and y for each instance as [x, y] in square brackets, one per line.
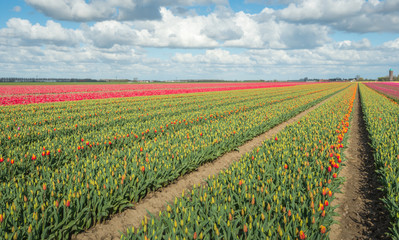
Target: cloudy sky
[199, 39]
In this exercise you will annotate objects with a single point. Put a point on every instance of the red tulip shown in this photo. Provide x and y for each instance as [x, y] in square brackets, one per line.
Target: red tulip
[302, 235]
[326, 203]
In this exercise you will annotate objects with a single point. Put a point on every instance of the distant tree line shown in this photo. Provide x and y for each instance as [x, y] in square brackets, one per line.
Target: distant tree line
[386, 78]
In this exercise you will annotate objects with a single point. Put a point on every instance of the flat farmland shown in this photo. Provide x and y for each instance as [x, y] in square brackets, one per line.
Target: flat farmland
[74, 157]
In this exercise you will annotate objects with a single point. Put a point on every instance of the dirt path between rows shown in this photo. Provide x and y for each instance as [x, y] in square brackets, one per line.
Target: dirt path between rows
[156, 201]
[361, 212]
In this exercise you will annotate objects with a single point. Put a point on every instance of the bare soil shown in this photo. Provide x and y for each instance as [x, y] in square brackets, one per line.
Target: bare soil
[156, 201]
[362, 214]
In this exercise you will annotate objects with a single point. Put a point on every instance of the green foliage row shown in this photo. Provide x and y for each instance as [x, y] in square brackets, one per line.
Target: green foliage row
[381, 116]
[281, 190]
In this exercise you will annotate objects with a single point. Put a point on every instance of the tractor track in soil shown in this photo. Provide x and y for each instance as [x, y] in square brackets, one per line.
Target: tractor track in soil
[362, 214]
[156, 201]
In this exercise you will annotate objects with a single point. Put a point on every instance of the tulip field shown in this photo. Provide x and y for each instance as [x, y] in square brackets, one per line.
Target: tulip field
[66, 166]
[73, 156]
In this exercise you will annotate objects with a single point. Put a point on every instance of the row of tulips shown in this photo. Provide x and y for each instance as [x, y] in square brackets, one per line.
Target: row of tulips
[382, 119]
[105, 169]
[7, 90]
[281, 190]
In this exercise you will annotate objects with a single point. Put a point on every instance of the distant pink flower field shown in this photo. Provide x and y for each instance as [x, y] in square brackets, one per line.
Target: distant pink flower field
[390, 89]
[27, 94]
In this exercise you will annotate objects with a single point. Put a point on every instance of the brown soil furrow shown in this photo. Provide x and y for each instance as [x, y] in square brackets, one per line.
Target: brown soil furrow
[362, 214]
[156, 201]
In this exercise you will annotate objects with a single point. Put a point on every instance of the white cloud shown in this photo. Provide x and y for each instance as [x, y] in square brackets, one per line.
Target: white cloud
[215, 56]
[347, 44]
[21, 31]
[324, 10]
[101, 10]
[394, 44]
[173, 31]
[221, 28]
[109, 33]
[345, 15]
[74, 10]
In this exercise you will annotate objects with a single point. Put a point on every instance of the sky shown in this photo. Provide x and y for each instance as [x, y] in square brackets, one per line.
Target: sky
[199, 39]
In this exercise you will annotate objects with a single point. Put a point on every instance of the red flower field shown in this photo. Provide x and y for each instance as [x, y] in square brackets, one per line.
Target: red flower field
[10, 95]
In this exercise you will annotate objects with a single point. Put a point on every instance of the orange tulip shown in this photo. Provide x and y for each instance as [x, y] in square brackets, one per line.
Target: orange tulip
[323, 229]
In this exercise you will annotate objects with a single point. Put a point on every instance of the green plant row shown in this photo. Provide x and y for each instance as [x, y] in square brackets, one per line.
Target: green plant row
[382, 116]
[281, 190]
